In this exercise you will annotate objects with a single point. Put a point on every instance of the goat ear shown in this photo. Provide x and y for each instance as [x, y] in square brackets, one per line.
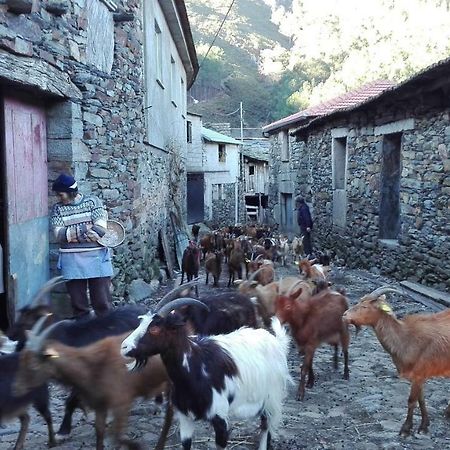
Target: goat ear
[154, 330]
[296, 293]
[50, 352]
[237, 282]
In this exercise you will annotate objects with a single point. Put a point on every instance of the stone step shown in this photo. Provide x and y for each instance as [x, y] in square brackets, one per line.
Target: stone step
[433, 294]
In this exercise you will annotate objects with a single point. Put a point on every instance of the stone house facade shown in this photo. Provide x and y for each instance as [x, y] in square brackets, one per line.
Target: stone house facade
[378, 172]
[213, 169]
[106, 83]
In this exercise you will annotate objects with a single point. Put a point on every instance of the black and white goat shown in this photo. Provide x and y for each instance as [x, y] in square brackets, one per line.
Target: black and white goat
[242, 374]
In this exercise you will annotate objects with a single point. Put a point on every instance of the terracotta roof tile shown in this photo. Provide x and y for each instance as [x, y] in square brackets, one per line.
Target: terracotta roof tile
[344, 101]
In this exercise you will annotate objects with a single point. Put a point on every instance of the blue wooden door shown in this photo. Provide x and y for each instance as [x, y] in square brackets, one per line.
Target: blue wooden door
[195, 197]
[27, 248]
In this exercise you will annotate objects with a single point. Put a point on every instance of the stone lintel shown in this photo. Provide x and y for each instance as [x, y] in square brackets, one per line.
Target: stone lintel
[36, 74]
[395, 127]
[339, 132]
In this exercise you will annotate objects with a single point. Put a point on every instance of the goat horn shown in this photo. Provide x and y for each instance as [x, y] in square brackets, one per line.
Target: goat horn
[178, 303]
[259, 256]
[383, 289]
[253, 275]
[291, 289]
[47, 287]
[174, 292]
[36, 340]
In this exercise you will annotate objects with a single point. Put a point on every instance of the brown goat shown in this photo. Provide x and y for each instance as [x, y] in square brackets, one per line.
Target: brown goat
[314, 321]
[213, 266]
[99, 374]
[265, 295]
[236, 262]
[419, 346]
[312, 271]
[261, 270]
[190, 264]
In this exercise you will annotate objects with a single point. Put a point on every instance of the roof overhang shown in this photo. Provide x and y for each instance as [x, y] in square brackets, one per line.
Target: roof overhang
[177, 20]
[432, 78]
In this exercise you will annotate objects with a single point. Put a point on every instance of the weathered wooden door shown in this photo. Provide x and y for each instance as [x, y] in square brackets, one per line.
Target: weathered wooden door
[26, 199]
[195, 197]
[286, 213]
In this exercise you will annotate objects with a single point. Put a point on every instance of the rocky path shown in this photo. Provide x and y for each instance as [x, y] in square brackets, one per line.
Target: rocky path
[363, 413]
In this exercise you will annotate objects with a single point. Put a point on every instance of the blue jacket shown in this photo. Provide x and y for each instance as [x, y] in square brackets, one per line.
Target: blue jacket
[304, 219]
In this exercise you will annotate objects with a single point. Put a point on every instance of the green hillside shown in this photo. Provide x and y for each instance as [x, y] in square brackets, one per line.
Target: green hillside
[279, 56]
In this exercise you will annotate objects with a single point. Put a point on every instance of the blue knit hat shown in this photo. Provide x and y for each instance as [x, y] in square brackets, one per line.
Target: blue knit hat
[65, 183]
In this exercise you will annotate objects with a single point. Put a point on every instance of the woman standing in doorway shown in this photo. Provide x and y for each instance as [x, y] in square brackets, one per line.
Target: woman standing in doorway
[78, 221]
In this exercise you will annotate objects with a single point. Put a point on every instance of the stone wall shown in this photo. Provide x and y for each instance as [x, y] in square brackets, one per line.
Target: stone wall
[100, 136]
[292, 176]
[223, 210]
[421, 251]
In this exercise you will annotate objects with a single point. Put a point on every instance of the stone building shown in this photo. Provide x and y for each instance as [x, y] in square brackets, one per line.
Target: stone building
[213, 170]
[96, 88]
[377, 172]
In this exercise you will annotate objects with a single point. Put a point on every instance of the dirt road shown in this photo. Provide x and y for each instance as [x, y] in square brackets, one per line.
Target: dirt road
[363, 413]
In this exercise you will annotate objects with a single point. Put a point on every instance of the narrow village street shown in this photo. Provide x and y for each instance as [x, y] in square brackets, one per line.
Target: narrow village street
[363, 413]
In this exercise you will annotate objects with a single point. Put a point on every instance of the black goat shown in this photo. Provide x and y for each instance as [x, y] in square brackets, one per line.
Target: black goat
[12, 406]
[226, 313]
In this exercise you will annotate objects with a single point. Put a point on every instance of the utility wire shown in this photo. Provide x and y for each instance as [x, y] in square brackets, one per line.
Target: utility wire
[217, 34]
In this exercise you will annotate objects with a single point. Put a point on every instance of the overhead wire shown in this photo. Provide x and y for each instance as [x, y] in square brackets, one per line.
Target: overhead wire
[217, 34]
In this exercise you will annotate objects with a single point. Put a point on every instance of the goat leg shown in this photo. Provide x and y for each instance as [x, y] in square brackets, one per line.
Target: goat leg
[346, 369]
[264, 440]
[447, 411]
[335, 357]
[311, 378]
[24, 422]
[166, 426]
[73, 402]
[414, 394]
[306, 367]
[207, 276]
[120, 414]
[425, 423]
[221, 431]
[45, 413]
[100, 426]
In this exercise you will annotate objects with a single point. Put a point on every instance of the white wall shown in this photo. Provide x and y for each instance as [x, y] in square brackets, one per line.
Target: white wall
[195, 153]
[165, 103]
[219, 172]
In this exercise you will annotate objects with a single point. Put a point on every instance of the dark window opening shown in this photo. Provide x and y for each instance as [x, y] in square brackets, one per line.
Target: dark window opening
[390, 187]
[189, 131]
[251, 170]
[222, 153]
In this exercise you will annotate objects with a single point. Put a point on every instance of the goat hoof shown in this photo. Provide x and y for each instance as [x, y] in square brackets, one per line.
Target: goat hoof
[405, 431]
[422, 429]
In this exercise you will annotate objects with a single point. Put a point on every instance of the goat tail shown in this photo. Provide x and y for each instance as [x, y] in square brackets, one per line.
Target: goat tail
[281, 335]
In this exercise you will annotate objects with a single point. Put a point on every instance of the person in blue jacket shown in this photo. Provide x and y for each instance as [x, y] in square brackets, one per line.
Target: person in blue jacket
[305, 223]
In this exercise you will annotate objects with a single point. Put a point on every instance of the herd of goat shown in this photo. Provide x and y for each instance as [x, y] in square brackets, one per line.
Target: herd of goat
[212, 358]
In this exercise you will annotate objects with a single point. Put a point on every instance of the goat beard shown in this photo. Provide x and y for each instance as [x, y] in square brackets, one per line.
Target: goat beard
[137, 364]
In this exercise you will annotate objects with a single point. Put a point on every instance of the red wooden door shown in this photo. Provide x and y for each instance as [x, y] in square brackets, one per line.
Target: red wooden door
[27, 256]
